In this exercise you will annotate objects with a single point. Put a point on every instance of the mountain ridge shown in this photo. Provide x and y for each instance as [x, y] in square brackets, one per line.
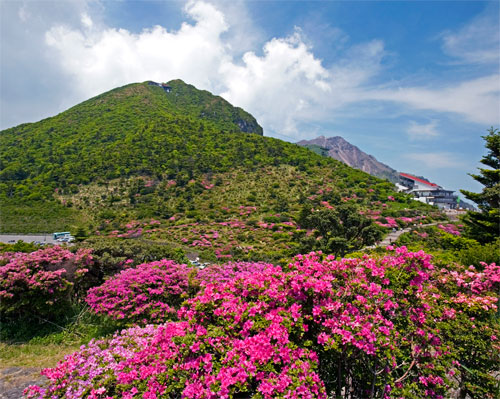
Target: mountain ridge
[340, 149]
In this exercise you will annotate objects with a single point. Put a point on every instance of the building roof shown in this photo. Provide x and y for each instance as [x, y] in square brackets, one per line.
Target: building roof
[411, 177]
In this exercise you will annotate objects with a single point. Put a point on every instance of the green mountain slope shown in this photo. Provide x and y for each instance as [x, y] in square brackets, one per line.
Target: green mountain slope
[177, 165]
[139, 128]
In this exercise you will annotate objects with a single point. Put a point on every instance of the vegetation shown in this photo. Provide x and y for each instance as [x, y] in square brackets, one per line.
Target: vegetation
[484, 225]
[339, 231]
[147, 176]
[371, 327]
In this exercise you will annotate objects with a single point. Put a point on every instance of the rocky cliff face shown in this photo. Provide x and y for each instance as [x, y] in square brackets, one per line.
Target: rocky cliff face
[342, 150]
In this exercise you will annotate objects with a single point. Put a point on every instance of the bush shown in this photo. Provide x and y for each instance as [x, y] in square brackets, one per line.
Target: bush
[149, 293]
[477, 254]
[43, 283]
[19, 246]
[111, 255]
[370, 327]
[153, 292]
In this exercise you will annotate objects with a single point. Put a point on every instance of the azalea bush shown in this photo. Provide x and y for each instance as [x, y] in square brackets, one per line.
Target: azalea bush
[41, 283]
[367, 327]
[152, 292]
[112, 255]
[149, 293]
[472, 329]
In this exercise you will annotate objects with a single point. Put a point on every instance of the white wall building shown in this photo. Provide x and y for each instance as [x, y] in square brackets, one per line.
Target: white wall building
[427, 192]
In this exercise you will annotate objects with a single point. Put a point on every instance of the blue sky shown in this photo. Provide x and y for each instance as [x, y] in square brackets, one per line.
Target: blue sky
[414, 83]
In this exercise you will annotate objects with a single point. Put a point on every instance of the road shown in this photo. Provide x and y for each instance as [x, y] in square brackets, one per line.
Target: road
[12, 238]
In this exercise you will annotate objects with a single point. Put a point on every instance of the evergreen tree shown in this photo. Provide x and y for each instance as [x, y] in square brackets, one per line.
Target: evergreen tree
[484, 226]
[339, 231]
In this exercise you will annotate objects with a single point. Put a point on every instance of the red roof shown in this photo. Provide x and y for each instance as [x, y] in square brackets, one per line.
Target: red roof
[408, 176]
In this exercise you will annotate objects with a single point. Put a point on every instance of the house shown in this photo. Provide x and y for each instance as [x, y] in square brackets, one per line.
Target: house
[167, 88]
[164, 86]
[427, 192]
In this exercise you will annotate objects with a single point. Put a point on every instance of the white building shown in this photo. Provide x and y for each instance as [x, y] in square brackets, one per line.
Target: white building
[427, 192]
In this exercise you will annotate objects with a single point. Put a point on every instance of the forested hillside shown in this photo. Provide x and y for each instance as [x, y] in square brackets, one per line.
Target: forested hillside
[158, 161]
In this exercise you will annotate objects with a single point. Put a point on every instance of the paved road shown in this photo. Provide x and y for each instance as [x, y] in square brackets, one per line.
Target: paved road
[12, 238]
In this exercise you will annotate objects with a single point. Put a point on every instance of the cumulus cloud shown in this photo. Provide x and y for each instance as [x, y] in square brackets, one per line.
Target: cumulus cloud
[281, 85]
[436, 160]
[101, 59]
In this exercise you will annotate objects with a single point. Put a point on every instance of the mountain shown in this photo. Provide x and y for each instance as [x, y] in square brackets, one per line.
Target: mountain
[125, 131]
[171, 164]
[341, 150]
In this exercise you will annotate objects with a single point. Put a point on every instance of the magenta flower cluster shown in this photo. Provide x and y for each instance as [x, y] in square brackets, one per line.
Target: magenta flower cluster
[40, 282]
[148, 293]
[152, 292]
[450, 229]
[317, 328]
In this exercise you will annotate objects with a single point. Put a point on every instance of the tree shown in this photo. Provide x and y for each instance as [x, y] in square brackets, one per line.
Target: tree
[339, 231]
[484, 225]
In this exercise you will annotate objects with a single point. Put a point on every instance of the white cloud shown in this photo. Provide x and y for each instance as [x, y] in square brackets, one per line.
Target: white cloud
[86, 20]
[102, 59]
[436, 160]
[418, 131]
[477, 42]
[478, 100]
[282, 83]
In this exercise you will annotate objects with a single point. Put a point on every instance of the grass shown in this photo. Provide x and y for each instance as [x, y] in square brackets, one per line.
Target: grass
[40, 345]
[36, 355]
[36, 217]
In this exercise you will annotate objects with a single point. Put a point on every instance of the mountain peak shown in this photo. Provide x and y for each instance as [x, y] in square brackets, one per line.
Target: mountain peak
[340, 149]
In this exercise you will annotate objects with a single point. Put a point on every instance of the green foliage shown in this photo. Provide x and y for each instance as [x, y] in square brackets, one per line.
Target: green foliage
[19, 246]
[111, 255]
[136, 129]
[317, 149]
[339, 231]
[183, 157]
[448, 248]
[36, 216]
[477, 254]
[484, 226]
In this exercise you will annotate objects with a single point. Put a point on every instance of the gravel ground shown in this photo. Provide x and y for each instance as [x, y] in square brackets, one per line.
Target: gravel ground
[13, 381]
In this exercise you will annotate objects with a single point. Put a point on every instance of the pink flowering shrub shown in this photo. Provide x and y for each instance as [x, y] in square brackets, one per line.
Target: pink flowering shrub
[225, 272]
[182, 360]
[315, 329]
[152, 292]
[149, 293]
[469, 301]
[450, 228]
[41, 283]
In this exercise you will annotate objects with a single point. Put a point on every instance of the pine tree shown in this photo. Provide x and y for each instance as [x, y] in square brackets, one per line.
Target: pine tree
[484, 226]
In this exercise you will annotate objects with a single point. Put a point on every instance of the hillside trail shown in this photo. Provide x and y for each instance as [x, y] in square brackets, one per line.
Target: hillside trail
[394, 235]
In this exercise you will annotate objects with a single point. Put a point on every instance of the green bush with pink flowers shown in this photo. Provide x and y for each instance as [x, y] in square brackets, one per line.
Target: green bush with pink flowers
[317, 328]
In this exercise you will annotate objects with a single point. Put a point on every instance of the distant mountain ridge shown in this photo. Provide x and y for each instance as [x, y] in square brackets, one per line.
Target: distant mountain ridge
[341, 150]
